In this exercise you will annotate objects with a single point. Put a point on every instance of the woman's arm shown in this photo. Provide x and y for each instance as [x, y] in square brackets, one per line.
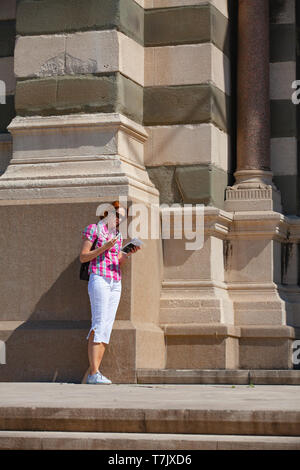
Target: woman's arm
[87, 254]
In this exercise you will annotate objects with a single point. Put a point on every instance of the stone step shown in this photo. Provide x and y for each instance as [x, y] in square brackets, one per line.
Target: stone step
[218, 376]
[43, 440]
[262, 410]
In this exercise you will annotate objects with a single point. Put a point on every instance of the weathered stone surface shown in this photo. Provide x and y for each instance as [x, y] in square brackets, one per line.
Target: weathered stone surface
[83, 93]
[190, 24]
[163, 179]
[53, 16]
[221, 5]
[186, 104]
[202, 184]
[187, 144]
[187, 64]
[90, 52]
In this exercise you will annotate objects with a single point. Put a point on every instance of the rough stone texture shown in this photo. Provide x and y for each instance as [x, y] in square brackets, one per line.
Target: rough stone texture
[187, 64]
[186, 104]
[218, 376]
[189, 24]
[164, 180]
[54, 16]
[202, 184]
[83, 93]
[221, 5]
[187, 144]
[93, 52]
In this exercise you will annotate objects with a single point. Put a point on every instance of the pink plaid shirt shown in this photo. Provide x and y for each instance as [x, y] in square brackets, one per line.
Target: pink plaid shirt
[107, 264]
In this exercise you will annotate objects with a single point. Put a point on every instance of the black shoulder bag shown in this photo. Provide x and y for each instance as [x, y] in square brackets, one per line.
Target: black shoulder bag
[84, 275]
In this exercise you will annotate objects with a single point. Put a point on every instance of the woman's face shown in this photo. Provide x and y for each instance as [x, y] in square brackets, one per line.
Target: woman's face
[115, 218]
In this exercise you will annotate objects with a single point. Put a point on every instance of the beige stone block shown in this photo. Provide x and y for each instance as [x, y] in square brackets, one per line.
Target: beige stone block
[284, 156]
[130, 148]
[187, 144]
[48, 150]
[265, 353]
[282, 75]
[40, 56]
[76, 136]
[99, 49]
[201, 349]
[250, 261]
[79, 53]
[131, 58]
[7, 74]
[219, 4]
[186, 65]
[8, 10]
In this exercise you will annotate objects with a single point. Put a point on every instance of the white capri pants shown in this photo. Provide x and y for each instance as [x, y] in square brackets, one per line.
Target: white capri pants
[104, 296]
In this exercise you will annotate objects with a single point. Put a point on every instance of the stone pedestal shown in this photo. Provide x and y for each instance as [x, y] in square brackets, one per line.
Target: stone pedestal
[61, 170]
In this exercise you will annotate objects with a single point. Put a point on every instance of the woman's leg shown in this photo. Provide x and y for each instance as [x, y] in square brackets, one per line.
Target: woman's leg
[95, 353]
[99, 292]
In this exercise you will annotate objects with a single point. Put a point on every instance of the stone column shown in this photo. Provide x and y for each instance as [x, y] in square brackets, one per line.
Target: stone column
[253, 188]
[254, 273]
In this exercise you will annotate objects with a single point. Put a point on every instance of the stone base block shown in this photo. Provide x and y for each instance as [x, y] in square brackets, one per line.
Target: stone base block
[57, 351]
[192, 346]
[266, 347]
[150, 346]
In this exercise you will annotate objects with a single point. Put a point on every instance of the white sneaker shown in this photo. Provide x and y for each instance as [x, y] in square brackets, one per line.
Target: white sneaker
[105, 378]
[98, 378]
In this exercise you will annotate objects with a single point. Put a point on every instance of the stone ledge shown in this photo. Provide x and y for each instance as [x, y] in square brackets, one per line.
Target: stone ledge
[219, 376]
[43, 440]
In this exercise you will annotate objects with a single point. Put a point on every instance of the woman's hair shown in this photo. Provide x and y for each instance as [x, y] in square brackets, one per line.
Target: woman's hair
[116, 205]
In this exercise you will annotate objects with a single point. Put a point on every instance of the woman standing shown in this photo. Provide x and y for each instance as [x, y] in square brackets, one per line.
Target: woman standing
[104, 286]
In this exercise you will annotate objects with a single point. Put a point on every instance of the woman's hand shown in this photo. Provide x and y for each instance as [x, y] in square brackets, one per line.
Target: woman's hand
[123, 256]
[133, 250]
[108, 245]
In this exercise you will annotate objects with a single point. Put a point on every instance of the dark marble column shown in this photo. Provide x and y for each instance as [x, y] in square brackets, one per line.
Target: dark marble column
[253, 113]
[253, 103]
